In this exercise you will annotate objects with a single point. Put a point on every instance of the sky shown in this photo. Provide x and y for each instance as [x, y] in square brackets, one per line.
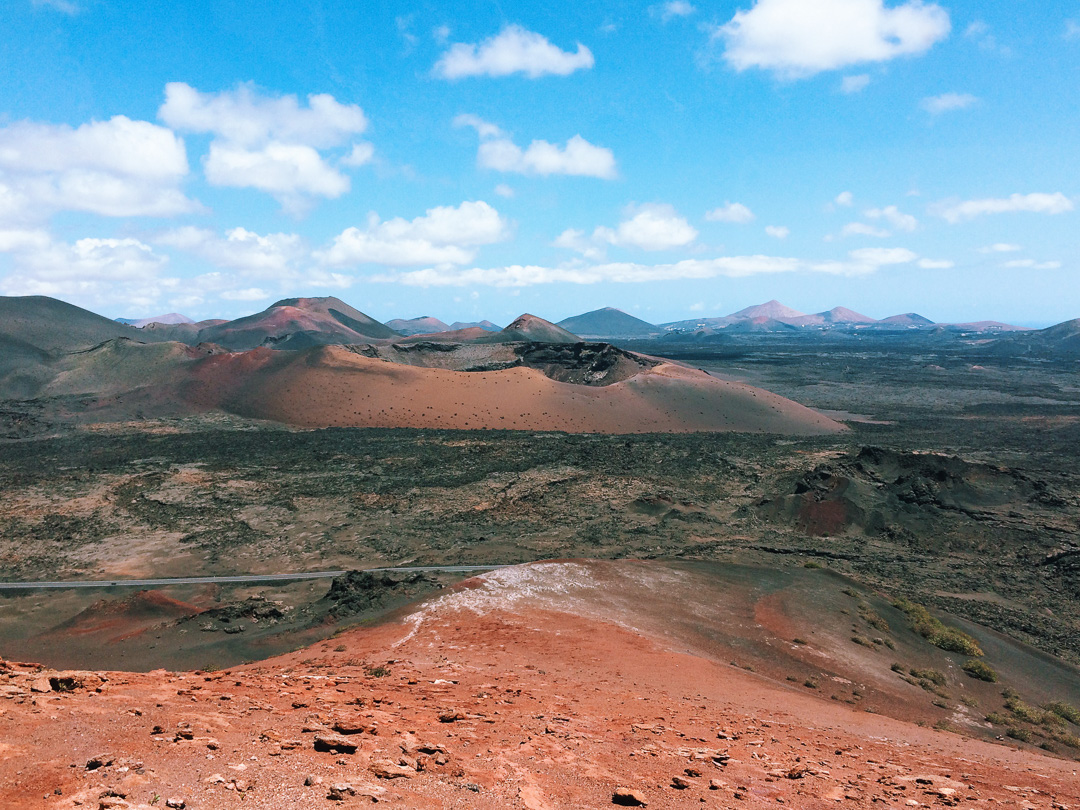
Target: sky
[479, 160]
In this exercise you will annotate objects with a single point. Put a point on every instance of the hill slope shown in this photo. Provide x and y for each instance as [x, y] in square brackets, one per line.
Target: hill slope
[56, 326]
[608, 323]
[310, 321]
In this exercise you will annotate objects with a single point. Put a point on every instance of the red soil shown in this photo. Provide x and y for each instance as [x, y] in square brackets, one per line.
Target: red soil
[489, 699]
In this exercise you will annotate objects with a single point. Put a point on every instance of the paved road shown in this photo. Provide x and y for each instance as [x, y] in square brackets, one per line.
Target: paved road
[159, 583]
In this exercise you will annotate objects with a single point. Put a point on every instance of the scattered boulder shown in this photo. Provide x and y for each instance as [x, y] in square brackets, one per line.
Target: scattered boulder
[626, 797]
[335, 743]
[388, 769]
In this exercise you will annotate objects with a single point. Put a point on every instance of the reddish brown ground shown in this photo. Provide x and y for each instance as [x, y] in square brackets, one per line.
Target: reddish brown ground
[490, 701]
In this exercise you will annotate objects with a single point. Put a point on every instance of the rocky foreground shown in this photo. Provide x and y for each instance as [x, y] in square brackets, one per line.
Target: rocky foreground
[485, 700]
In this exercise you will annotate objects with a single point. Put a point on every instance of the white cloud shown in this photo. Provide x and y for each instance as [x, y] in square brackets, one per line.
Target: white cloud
[778, 231]
[89, 272]
[855, 84]
[13, 240]
[730, 212]
[672, 9]
[621, 272]
[645, 227]
[513, 50]
[946, 102]
[866, 261]
[895, 217]
[650, 227]
[118, 167]
[862, 229]
[485, 129]
[239, 249]
[1000, 247]
[444, 236]
[278, 168]
[243, 116]
[578, 157]
[504, 190]
[1037, 203]
[270, 143]
[249, 294]
[361, 155]
[1072, 29]
[844, 198]
[936, 264]
[1031, 264]
[798, 38]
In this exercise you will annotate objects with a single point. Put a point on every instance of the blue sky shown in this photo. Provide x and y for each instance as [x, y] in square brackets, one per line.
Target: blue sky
[672, 159]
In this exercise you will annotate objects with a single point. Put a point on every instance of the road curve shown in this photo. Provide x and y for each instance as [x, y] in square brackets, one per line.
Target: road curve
[161, 583]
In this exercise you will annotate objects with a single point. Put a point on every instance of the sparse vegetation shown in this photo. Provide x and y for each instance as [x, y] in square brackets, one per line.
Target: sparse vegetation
[1064, 710]
[810, 683]
[873, 618]
[812, 564]
[938, 634]
[377, 672]
[980, 669]
[863, 641]
[934, 676]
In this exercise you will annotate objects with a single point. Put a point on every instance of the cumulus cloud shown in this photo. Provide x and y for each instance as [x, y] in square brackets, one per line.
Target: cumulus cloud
[778, 231]
[731, 212]
[271, 143]
[88, 271]
[645, 227]
[1001, 247]
[799, 38]
[578, 157]
[845, 198]
[670, 10]
[947, 102]
[513, 50]
[117, 168]
[239, 248]
[443, 236]
[1036, 203]
[855, 84]
[895, 217]
[504, 190]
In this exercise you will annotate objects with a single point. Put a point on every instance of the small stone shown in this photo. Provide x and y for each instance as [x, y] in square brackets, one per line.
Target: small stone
[176, 803]
[451, 716]
[339, 792]
[100, 761]
[715, 784]
[311, 780]
[626, 797]
[679, 783]
[387, 769]
[40, 685]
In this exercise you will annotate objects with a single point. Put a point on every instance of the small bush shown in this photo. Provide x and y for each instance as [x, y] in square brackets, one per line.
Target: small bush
[1064, 710]
[997, 719]
[946, 638]
[978, 669]
[934, 676]
[800, 641]
[812, 564]
[970, 701]
[863, 640]
[873, 618]
[854, 594]
[810, 683]
[1065, 738]
[1019, 733]
[898, 668]
[377, 672]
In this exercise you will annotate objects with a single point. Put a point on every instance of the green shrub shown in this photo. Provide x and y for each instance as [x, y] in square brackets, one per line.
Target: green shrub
[932, 675]
[812, 564]
[1065, 710]
[946, 638]
[1019, 733]
[979, 669]
[873, 618]
[862, 640]
[897, 668]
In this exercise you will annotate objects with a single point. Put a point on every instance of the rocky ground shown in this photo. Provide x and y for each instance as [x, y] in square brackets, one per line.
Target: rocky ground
[486, 698]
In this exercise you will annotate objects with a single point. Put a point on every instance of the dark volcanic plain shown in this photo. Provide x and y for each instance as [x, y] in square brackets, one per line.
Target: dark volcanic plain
[955, 487]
